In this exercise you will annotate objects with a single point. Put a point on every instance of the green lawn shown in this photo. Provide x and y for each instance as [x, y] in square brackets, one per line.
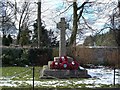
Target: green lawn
[20, 73]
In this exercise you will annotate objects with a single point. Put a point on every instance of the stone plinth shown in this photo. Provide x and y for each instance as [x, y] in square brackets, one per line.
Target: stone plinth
[73, 70]
[63, 74]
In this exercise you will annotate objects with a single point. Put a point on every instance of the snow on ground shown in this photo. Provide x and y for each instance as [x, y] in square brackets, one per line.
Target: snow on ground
[100, 76]
[104, 76]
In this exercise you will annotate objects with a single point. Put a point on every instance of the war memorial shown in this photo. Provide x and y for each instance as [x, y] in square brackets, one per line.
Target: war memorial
[63, 67]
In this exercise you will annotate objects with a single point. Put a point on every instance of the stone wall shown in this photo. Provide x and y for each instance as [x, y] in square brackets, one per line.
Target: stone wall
[96, 55]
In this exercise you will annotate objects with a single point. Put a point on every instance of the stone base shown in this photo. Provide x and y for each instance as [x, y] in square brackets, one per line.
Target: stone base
[63, 74]
[48, 73]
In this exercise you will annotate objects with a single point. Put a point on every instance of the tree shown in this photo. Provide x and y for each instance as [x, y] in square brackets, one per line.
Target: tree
[10, 39]
[83, 21]
[76, 18]
[21, 13]
[6, 19]
[47, 38]
[78, 10]
[24, 18]
[53, 39]
[25, 35]
[7, 40]
[44, 36]
[106, 39]
[115, 26]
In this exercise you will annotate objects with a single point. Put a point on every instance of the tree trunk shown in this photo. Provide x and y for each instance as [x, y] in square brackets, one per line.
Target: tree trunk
[118, 36]
[75, 26]
[39, 24]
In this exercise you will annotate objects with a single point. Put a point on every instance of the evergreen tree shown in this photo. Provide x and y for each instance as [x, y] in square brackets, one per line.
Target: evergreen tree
[10, 39]
[24, 38]
[25, 35]
[53, 39]
[47, 38]
[6, 41]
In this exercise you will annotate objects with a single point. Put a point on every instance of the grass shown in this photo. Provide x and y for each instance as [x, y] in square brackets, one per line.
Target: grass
[44, 89]
[25, 73]
[20, 73]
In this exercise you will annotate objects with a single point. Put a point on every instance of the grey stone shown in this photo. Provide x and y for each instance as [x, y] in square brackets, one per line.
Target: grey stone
[62, 25]
[64, 74]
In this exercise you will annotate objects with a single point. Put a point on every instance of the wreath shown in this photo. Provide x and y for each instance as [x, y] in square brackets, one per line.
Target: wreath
[63, 63]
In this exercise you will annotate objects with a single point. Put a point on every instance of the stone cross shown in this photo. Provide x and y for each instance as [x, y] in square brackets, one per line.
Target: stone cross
[62, 25]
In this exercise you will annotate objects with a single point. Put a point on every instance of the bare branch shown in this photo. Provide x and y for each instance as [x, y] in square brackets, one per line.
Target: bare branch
[81, 11]
[82, 5]
[80, 14]
[64, 10]
[87, 24]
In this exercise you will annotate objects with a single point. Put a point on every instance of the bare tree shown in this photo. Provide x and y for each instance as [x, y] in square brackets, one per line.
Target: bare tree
[76, 18]
[23, 13]
[8, 25]
[77, 14]
[24, 17]
[115, 23]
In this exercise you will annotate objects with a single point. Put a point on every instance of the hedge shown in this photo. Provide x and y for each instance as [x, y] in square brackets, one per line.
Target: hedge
[40, 56]
[26, 56]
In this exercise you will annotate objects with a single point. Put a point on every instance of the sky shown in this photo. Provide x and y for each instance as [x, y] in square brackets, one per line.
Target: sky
[51, 10]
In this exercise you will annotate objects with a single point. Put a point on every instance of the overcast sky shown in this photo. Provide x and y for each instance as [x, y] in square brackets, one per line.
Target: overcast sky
[51, 10]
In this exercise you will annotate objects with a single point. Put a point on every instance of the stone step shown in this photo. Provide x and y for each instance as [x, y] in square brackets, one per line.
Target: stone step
[63, 74]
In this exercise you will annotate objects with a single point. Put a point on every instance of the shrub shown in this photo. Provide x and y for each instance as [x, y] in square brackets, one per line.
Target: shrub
[10, 56]
[25, 56]
[40, 56]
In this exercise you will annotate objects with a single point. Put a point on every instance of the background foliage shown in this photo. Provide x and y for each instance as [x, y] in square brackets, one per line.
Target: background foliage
[28, 56]
[25, 56]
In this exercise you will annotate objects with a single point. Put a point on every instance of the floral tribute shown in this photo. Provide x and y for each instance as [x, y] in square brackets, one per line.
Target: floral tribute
[63, 63]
